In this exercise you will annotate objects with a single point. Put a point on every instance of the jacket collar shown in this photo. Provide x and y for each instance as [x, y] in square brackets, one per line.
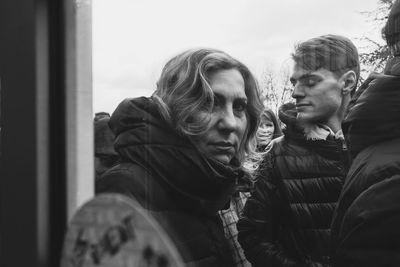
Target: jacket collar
[321, 132]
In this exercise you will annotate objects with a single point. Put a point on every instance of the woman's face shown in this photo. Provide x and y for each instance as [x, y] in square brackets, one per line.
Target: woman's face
[265, 131]
[228, 119]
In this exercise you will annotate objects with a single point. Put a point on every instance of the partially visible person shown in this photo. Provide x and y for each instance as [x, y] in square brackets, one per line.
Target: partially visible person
[286, 221]
[101, 115]
[365, 227]
[269, 129]
[182, 150]
[105, 156]
[266, 131]
[230, 216]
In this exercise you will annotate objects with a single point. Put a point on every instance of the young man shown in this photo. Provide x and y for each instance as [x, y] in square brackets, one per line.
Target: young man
[365, 227]
[286, 220]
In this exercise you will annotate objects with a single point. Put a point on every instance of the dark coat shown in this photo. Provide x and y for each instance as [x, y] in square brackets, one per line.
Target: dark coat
[181, 188]
[287, 219]
[366, 224]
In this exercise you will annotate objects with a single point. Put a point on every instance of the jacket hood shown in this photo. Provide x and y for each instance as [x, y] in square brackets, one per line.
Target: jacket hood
[393, 66]
[374, 113]
[288, 115]
[142, 136]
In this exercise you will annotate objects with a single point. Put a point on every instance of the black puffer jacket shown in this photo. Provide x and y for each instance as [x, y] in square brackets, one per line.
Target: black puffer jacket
[181, 188]
[287, 218]
[366, 224]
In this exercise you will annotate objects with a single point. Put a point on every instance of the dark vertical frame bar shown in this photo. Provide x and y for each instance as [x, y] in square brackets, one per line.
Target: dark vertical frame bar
[57, 94]
[33, 172]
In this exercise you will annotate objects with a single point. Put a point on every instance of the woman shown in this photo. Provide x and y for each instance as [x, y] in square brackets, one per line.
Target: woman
[269, 129]
[182, 149]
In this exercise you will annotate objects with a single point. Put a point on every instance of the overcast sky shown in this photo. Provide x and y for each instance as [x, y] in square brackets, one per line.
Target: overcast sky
[133, 39]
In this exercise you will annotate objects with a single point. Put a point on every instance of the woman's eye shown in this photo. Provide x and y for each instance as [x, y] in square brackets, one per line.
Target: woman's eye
[240, 106]
[217, 102]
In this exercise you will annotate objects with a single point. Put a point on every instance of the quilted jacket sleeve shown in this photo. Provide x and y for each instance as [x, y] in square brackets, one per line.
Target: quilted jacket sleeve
[369, 234]
[258, 228]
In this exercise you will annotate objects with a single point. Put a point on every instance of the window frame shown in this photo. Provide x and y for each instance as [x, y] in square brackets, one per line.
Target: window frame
[46, 159]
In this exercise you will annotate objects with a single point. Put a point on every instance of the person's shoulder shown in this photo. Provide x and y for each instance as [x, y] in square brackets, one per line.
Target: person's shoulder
[124, 169]
[122, 176]
[276, 144]
[285, 145]
[373, 165]
[380, 156]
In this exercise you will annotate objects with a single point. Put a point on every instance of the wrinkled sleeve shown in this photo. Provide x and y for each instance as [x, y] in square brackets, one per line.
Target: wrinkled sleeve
[257, 226]
[370, 231]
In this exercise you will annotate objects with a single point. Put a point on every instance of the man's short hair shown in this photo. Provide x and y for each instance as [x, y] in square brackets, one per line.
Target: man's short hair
[331, 52]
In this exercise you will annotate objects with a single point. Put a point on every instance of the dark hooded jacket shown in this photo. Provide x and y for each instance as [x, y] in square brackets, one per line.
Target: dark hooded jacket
[366, 224]
[180, 187]
[287, 219]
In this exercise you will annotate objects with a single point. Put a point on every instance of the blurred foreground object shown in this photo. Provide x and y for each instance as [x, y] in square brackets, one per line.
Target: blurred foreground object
[112, 230]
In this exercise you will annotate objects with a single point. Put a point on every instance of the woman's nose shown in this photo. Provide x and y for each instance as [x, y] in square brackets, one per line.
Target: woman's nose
[228, 120]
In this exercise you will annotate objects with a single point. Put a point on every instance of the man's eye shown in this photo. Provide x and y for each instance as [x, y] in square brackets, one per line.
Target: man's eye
[310, 82]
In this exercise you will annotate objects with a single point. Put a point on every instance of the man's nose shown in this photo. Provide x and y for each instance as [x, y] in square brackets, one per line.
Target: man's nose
[298, 91]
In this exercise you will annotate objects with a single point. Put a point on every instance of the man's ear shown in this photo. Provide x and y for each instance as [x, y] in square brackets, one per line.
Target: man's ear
[349, 80]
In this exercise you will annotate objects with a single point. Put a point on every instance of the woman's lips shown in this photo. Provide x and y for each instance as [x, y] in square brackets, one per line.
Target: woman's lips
[223, 146]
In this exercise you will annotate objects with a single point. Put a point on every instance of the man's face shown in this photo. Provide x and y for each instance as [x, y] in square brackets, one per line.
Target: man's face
[318, 96]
